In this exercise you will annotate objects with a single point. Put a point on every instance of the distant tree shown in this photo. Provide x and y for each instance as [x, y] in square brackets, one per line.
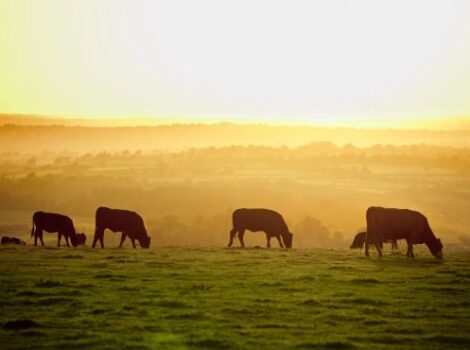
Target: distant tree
[31, 161]
[311, 232]
[61, 160]
[171, 231]
[31, 176]
[337, 239]
[465, 239]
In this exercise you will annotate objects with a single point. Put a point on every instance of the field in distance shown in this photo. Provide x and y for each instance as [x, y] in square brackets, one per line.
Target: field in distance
[232, 298]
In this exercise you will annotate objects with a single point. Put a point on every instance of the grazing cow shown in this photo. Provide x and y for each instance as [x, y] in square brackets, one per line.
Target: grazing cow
[393, 224]
[269, 221]
[129, 223]
[61, 224]
[12, 240]
[360, 239]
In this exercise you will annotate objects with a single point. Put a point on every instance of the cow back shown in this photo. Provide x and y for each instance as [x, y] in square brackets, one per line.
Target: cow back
[393, 224]
[52, 222]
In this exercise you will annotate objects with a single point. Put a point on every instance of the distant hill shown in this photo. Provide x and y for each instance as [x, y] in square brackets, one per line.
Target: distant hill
[34, 120]
[36, 134]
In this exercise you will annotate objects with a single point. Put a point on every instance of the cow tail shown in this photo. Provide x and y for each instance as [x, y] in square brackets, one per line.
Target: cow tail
[32, 229]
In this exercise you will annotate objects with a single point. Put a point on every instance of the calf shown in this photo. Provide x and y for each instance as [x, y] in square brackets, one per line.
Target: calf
[12, 240]
[360, 239]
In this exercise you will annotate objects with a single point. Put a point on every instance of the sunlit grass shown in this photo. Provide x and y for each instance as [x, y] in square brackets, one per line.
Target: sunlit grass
[231, 298]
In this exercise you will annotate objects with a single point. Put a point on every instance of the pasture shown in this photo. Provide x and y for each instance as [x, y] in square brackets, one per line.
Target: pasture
[219, 298]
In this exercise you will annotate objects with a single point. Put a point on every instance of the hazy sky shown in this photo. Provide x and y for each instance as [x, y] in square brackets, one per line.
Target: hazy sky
[364, 62]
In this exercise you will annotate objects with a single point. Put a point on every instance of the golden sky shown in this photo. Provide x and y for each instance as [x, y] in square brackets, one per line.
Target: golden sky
[362, 63]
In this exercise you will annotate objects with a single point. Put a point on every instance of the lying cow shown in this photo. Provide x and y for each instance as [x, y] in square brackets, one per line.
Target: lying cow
[129, 223]
[12, 240]
[51, 222]
[392, 224]
[269, 221]
[360, 239]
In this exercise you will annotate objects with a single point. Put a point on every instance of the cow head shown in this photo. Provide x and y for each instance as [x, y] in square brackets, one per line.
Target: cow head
[287, 238]
[436, 249]
[80, 239]
[144, 242]
[358, 241]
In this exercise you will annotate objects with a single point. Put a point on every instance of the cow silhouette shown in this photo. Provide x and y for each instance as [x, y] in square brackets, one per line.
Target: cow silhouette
[51, 222]
[129, 223]
[269, 221]
[12, 240]
[392, 224]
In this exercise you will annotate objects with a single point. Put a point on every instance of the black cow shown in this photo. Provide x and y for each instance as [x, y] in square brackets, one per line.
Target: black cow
[269, 221]
[51, 222]
[393, 224]
[129, 223]
[360, 239]
[12, 240]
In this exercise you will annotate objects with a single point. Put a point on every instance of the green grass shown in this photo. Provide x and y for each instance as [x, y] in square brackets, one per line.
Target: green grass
[216, 298]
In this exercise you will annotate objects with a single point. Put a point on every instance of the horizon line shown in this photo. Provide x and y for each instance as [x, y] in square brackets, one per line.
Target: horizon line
[453, 123]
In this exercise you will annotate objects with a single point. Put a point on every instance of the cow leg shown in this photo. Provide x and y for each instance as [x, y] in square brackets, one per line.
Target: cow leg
[409, 251]
[366, 247]
[232, 236]
[123, 238]
[59, 237]
[99, 234]
[133, 242]
[379, 250]
[241, 233]
[95, 238]
[67, 240]
[40, 237]
[36, 235]
[268, 238]
[394, 245]
[280, 241]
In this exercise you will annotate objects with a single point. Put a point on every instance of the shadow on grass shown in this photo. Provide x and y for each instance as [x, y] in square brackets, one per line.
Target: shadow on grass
[363, 301]
[73, 257]
[194, 316]
[326, 345]
[450, 339]
[396, 261]
[310, 302]
[20, 324]
[48, 284]
[172, 304]
[209, 343]
[363, 281]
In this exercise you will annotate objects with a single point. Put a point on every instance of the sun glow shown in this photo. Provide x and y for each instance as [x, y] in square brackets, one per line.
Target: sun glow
[337, 62]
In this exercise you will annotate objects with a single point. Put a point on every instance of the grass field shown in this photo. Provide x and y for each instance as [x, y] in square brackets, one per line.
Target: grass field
[218, 298]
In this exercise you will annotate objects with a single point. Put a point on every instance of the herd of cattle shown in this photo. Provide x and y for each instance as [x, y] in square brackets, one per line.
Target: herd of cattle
[383, 225]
